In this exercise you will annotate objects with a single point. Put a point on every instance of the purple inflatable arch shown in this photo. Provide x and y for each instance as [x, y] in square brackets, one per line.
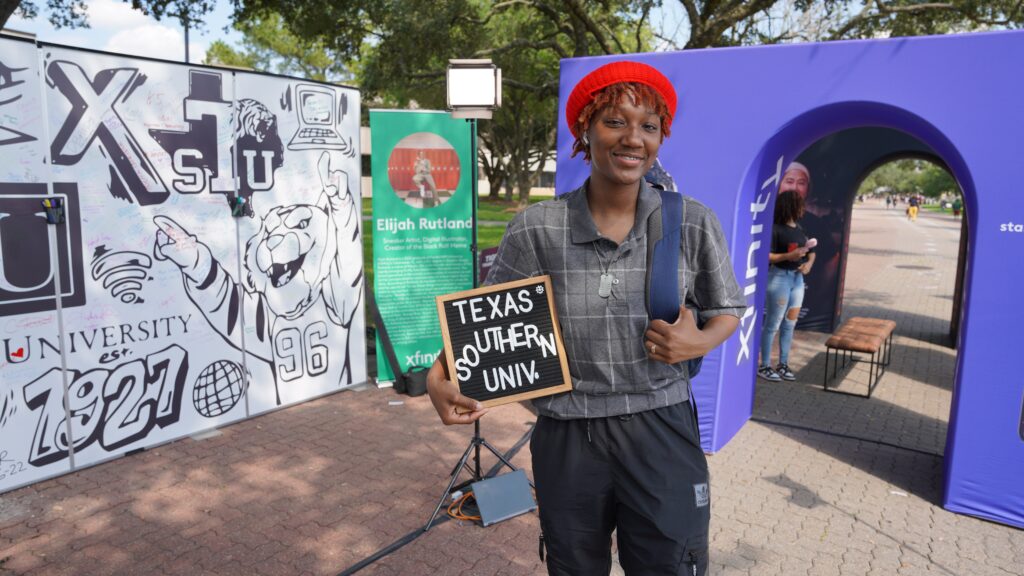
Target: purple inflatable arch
[745, 113]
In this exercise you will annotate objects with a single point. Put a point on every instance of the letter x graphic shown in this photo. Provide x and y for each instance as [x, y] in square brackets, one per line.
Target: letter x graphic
[93, 115]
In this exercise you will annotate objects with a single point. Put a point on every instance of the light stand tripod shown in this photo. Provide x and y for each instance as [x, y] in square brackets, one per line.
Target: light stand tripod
[476, 441]
[474, 447]
[467, 100]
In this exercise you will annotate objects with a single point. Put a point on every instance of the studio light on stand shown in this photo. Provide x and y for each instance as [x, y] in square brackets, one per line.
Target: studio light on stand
[474, 89]
[474, 92]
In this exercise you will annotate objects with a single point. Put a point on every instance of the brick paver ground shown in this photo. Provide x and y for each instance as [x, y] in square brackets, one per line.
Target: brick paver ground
[317, 488]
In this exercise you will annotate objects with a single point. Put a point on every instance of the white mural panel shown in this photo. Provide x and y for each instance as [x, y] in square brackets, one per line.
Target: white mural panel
[177, 315]
[148, 145]
[33, 427]
[302, 263]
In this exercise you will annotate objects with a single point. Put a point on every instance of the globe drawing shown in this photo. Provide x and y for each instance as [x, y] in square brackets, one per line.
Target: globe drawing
[218, 388]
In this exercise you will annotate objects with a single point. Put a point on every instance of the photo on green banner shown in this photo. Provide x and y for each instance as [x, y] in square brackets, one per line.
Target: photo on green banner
[422, 165]
[423, 170]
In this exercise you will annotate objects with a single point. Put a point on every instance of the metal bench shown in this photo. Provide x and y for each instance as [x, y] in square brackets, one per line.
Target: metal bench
[865, 336]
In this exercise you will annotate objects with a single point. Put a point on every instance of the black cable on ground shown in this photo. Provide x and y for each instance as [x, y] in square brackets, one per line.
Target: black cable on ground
[846, 436]
[397, 544]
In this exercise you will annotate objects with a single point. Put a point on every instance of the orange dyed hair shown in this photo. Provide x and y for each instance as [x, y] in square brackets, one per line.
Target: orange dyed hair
[640, 94]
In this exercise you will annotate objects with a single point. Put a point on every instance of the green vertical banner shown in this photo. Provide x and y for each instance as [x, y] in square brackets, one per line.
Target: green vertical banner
[423, 164]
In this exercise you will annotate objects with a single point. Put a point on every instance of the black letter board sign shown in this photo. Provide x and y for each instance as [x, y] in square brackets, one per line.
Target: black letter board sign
[502, 342]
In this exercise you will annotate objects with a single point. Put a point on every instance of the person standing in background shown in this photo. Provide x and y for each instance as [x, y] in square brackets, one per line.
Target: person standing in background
[790, 258]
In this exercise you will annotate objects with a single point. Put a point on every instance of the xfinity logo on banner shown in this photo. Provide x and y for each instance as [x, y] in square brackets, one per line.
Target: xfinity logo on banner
[757, 207]
[26, 243]
[419, 359]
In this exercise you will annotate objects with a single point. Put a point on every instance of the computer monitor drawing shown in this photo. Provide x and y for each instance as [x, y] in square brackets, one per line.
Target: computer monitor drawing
[315, 107]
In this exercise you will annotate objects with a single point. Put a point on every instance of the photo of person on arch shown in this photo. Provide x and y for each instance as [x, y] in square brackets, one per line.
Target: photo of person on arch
[601, 452]
[824, 219]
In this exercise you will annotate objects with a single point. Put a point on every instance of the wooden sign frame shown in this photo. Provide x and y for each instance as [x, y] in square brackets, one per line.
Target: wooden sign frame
[566, 382]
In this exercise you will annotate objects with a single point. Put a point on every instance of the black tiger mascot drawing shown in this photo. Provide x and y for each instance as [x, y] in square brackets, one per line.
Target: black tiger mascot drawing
[303, 264]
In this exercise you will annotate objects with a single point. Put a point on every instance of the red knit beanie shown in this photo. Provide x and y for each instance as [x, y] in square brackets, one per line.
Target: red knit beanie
[624, 71]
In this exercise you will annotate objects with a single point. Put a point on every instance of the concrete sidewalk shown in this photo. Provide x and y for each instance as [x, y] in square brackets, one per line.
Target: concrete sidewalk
[817, 484]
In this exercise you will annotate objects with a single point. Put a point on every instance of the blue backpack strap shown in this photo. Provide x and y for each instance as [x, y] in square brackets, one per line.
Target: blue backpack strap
[663, 268]
[663, 277]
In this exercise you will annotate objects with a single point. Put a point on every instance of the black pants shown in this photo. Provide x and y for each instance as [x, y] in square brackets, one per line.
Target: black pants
[644, 474]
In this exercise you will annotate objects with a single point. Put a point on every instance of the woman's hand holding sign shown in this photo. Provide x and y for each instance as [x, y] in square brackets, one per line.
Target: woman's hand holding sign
[683, 340]
[451, 406]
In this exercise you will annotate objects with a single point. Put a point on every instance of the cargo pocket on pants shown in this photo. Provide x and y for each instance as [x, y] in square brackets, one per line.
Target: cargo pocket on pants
[695, 557]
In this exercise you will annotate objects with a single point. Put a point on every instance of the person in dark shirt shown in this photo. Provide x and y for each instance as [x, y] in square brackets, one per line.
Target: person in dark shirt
[791, 258]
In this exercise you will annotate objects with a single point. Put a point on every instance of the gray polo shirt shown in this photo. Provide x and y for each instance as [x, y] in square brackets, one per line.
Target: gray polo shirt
[604, 337]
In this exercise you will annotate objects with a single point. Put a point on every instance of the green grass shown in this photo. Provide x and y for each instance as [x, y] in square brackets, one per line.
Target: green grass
[368, 251]
[502, 210]
[489, 236]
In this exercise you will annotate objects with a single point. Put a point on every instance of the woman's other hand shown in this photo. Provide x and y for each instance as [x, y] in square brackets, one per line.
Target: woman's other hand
[671, 343]
[683, 340]
[451, 406]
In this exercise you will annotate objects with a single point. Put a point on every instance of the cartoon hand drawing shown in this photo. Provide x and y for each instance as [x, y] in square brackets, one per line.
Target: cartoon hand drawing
[294, 268]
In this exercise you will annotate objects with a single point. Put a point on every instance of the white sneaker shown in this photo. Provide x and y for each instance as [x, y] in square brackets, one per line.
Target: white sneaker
[766, 373]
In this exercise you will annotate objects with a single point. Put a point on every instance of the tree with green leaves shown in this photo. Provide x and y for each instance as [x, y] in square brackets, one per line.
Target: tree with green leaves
[910, 176]
[268, 46]
[404, 48]
[892, 177]
[754, 22]
[75, 13]
[935, 181]
[398, 50]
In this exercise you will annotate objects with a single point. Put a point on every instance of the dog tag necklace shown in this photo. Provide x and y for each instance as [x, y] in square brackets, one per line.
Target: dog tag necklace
[604, 288]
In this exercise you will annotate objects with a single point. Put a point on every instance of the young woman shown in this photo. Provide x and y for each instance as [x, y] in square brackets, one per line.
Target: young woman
[791, 259]
[622, 450]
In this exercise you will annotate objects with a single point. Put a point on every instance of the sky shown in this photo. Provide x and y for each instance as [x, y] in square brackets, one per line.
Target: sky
[116, 27]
